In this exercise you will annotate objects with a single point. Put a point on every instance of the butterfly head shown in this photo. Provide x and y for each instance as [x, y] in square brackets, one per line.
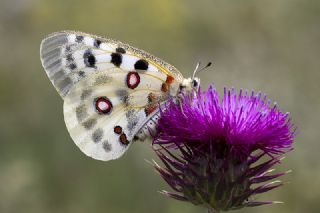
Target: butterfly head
[189, 85]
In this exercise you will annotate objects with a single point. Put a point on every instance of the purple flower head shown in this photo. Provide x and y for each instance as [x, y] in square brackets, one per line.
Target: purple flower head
[218, 152]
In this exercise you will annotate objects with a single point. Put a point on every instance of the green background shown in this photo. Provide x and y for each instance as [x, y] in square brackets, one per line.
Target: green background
[266, 45]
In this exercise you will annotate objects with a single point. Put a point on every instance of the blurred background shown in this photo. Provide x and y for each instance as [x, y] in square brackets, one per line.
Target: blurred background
[271, 46]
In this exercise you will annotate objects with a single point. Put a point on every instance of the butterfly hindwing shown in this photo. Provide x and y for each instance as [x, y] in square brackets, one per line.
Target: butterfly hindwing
[70, 56]
[104, 111]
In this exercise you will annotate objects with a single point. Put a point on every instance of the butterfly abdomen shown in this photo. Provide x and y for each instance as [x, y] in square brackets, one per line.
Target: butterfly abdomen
[148, 129]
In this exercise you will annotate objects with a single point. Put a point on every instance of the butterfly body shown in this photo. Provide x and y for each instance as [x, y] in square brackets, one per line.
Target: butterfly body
[111, 91]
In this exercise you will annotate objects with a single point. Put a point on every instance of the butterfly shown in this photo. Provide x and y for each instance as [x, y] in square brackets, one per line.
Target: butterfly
[111, 91]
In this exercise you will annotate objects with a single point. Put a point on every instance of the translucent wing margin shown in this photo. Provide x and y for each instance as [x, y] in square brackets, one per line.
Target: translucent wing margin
[69, 56]
[104, 111]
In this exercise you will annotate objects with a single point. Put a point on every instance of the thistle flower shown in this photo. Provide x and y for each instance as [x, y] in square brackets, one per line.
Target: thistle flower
[218, 153]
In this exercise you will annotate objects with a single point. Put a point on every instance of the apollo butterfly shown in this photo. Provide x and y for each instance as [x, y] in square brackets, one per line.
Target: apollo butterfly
[111, 90]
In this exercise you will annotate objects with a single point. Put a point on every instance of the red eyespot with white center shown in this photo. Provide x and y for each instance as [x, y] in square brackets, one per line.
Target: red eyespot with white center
[133, 80]
[103, 105]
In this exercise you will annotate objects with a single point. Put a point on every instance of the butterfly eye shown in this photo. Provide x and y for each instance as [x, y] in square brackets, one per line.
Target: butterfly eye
[103, 105]
[194, 83]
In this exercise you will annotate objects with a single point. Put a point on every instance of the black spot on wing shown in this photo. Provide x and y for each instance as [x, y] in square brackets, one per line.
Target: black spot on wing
[69, 57]
[121, 92]
[68, 48]
[141, 65]
[81, 112]
[88, 124]
[72, 66]
[81, 73]
[107, 146]
[123, 95]
[89, 58]
[97, 43]
[120, 50]
[79, 38]
[116, 59]
[132, 119]
[97, 135]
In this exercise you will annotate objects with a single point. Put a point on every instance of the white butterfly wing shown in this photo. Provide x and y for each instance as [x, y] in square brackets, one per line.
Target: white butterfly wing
[106, 84]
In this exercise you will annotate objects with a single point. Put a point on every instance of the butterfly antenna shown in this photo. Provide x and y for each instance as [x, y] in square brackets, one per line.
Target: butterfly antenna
[197, 70]
[204, 68]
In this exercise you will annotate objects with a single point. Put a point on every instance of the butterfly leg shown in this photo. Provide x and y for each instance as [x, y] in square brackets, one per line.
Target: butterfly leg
[179, 100]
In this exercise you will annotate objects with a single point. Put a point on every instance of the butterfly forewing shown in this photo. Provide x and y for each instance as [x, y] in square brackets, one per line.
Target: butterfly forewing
[70, 56]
